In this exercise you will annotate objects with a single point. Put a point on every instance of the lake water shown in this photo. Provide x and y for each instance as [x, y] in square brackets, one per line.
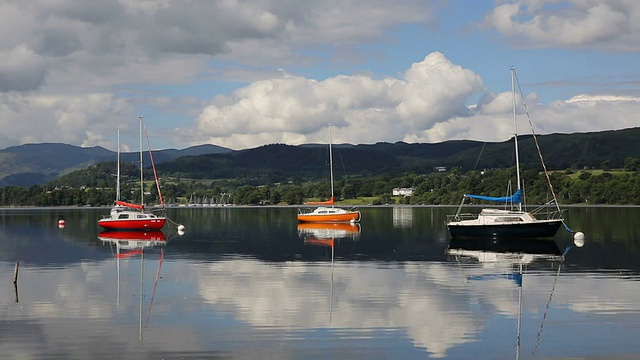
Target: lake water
[246, 283]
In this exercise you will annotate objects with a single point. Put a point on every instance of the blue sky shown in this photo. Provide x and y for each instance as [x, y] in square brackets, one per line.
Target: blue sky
[245, 73]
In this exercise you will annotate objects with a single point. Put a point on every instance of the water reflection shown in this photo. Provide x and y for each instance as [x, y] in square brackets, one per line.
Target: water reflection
[310, 231]
[507, 247]
[130, 244]
[506, 260]
[402, 216]
[250, 282]
[326, 235]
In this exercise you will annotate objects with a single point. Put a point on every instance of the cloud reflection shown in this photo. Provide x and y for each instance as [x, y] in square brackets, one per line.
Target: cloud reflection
[96, 306]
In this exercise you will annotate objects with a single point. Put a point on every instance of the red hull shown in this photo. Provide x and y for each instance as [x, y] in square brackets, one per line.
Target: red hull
[133, 224]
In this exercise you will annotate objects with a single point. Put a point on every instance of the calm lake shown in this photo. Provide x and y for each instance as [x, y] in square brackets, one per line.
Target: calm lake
[247, 283]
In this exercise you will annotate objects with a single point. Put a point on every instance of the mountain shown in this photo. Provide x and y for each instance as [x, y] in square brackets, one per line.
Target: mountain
[36, 164]
[279, 162]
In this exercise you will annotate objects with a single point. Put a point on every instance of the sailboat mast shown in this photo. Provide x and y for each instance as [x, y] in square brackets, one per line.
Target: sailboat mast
[118, 170]
[141, 165]
[515, 125]
[331, 162]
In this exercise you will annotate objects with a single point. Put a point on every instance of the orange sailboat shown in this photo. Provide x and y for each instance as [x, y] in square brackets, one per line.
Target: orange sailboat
[326, 212]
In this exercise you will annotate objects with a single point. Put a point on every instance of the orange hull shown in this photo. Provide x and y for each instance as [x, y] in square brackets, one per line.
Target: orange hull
[330, 218]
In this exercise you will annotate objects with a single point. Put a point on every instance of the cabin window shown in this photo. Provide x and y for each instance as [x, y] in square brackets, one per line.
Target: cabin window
[123, 216]
[141, 216]
[508, 219]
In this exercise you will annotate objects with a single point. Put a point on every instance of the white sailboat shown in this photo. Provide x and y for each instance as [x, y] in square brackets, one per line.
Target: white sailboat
[512, 222]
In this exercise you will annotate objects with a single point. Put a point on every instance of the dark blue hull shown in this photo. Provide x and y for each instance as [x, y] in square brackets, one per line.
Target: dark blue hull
[547, 229]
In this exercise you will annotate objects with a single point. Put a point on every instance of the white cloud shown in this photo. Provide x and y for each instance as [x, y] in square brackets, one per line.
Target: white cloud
[426, 105]
[76, 70]
[73, 120]
[387, 109]
[21, 70]
[69, 52]
[493, 120]
[576, 23]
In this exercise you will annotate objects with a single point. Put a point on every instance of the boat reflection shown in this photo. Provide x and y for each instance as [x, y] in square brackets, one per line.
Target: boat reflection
[498, 245]
[316, 232]
[130, 244]
[509, 258]
[326, 234]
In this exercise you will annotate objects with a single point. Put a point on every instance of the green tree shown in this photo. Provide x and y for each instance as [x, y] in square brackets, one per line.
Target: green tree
[632, 164]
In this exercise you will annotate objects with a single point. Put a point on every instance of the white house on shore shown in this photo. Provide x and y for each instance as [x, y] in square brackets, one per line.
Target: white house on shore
[403, 191]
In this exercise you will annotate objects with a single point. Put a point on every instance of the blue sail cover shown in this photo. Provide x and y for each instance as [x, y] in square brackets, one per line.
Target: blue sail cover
[515, 198]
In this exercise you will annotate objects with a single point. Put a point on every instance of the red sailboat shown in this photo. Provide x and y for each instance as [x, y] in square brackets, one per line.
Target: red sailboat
[127, 216]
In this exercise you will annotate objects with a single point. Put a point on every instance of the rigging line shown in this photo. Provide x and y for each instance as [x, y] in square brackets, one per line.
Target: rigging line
[169, 219]
[155, 176]
[475, 166]
[546, 310]
[155, 287]
[153, 166]
[535, 140]
[344, 168]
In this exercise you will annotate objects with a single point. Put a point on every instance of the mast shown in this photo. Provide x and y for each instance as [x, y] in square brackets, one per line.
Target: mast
[331, 164]
[141, 165]
[515, 125]
[118, 170]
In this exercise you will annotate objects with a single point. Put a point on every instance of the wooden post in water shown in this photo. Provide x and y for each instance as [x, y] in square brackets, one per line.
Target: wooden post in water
[15, 273]
[15, 279]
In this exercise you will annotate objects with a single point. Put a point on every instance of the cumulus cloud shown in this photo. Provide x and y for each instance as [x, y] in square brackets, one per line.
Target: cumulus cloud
[21, 70]
[578, 23]
[368, 109]
[123, 52]
[72, 120]
[427, 104]
[77, 70]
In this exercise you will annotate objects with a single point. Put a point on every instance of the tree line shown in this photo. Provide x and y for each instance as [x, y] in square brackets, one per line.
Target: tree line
[95, 186]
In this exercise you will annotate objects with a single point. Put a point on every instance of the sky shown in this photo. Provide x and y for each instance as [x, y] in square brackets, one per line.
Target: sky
[245, 73]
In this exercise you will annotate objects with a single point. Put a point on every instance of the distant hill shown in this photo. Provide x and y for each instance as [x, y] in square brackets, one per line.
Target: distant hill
[279, 162]
[37, 164]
